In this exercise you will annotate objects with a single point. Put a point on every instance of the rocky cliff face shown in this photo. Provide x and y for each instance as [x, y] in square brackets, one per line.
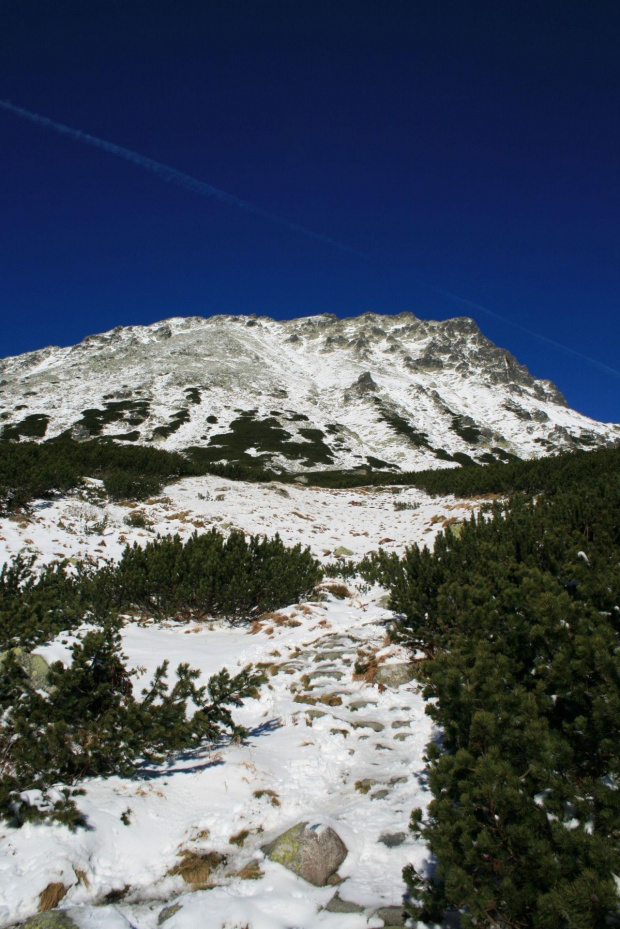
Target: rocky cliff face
[317, 392]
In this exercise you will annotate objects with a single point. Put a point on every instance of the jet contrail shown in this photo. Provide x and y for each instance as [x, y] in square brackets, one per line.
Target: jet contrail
[531, 332]
[168, 174]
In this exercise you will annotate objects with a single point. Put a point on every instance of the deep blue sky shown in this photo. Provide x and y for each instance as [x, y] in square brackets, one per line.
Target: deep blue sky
[462, 147]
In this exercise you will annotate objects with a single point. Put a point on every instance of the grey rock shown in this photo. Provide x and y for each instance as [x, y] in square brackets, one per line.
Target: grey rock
[338, 905]
[394, 675]
[380, 794]
[401, 724]
[310, 850]
[392, 915]
[368, 724]
[79, 432]
[393, 839]
[356, 705]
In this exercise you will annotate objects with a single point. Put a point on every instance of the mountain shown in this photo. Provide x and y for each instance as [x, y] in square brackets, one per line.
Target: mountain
[311, 393]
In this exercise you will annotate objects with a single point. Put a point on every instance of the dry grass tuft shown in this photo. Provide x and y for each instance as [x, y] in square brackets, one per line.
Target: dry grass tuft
[51, 896]
[251, 872]
[270, 794]
[196, 868]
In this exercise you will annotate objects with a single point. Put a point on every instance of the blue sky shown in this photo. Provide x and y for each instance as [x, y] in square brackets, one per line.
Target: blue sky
[466, 154]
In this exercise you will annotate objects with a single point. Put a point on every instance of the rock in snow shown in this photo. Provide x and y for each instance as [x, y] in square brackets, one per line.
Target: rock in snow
[314, 852]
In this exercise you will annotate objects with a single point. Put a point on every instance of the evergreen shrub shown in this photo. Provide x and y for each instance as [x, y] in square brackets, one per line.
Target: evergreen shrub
[519, 620]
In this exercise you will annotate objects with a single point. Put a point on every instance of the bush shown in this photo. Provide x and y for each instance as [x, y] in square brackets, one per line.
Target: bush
[210, 574]
[518, 618]
[88, 723]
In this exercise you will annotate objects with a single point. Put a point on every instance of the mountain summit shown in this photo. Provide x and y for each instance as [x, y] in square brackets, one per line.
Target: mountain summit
[311, 393]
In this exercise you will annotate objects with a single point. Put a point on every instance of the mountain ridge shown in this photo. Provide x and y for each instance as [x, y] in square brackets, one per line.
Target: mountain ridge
[370, 391]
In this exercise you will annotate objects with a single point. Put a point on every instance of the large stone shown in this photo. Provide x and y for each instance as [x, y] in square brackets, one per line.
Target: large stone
[342, 552]
[312, 851]
[393, 675]
[338, 905]
[393, 839]
[392, 915]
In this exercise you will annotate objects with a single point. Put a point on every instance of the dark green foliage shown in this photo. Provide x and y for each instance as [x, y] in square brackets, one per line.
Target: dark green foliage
[400, 425]
[466, 428]
[269, 438]
[32, 427]
[379, 463]
[132, 412]
[88, 723]
[193, 394]
[209, 575]
[519, 619]
[31, 469]
[541, 474]
[35, 606]
[176, 421]
[126, 485]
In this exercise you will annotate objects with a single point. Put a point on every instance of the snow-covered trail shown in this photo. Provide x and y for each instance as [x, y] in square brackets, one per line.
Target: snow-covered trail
[326, 745]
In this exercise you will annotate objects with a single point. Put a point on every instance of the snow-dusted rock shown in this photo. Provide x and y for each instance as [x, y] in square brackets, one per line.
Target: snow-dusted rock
[312, 851]
[393, 675]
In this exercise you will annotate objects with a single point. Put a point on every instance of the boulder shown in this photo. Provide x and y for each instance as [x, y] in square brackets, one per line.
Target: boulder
[311, 850]
[338, 905]
[393, 675]
[392, 915]
[342, 552]
[393, 839]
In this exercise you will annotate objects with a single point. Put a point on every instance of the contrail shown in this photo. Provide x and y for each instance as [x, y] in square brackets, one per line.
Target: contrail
[531, 332]
[170, 175]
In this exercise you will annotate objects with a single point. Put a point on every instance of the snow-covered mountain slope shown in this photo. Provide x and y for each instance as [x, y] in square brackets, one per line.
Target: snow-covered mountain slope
[309, 393]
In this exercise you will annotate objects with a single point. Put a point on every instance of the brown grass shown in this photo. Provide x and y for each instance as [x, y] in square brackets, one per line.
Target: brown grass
[270, 794]
[251, 872]
[51, 896]
[196, 867]
[339, 591]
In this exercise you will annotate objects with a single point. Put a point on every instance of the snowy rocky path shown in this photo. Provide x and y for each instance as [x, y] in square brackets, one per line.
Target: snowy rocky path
[328, 745]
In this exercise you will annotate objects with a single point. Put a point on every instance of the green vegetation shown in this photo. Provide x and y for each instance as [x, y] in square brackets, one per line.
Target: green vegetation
[266, 437]
[29, 469]
[132, 412]
[86, 722]
[32, 427]
[534, 476]
[176, 421]
[400, 425]
[209, 574]
[517, 620]
[83, 720]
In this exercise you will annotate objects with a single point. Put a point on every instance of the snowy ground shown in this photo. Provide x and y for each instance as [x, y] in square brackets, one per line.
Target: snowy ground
[325, 747]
